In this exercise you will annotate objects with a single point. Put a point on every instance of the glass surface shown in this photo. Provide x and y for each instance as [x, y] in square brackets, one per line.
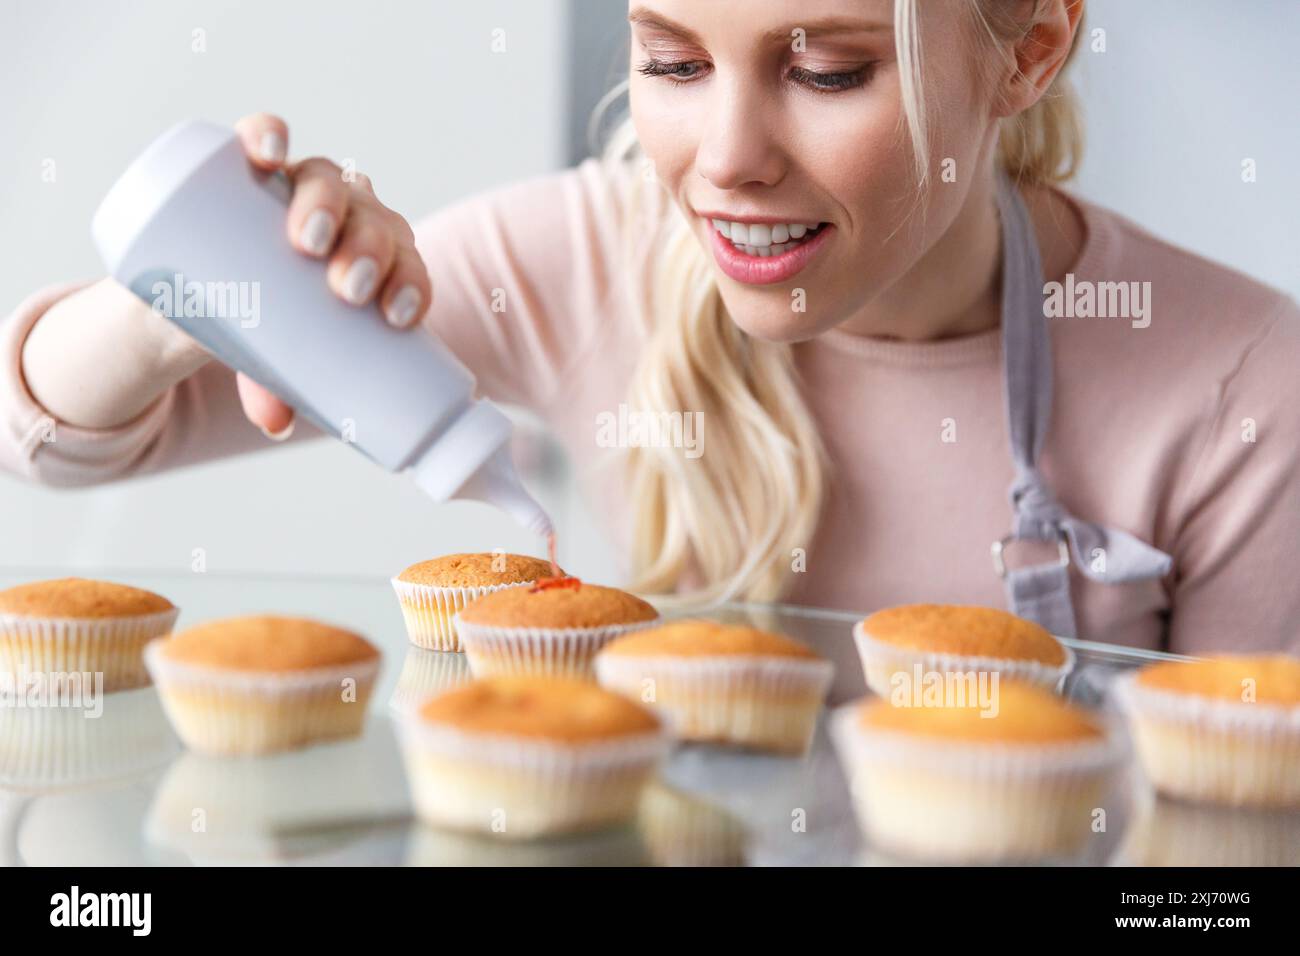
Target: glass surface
[120, 789]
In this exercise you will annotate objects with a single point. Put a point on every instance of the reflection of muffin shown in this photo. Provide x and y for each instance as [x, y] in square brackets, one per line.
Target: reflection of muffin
[682, 830]
[74, 625]
[1222, 730]
[249, 685]
[555, 626]
[952, 638]
[723, 683]
[431, 592]
[426, 674]
[521, 757]
[949, 783]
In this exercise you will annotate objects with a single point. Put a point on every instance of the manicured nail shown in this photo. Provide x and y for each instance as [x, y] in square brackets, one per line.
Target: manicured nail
[272, 147]
[359, 282]
[318, 232]
[283, 433]
[404, 307]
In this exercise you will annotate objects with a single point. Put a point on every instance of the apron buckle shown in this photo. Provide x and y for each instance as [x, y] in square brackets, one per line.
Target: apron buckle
[998, 551]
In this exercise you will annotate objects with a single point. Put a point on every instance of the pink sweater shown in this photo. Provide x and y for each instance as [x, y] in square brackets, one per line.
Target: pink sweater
[1147, 433]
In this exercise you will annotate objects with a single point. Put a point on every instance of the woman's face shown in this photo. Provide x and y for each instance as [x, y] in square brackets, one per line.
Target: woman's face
[778, 128]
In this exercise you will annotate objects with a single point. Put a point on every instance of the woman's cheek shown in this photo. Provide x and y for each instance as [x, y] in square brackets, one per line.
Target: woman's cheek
[661, 119]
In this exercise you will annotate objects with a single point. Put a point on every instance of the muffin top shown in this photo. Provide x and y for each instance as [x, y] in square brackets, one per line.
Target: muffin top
[476, 570]
[696, 638]
[558, 603]
[972, 631]
[1025, 714]
[80, 598]
[268, 643]
[1276, 678]
[548, 708]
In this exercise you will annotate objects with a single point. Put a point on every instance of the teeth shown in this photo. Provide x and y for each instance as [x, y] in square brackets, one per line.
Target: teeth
[761, 235]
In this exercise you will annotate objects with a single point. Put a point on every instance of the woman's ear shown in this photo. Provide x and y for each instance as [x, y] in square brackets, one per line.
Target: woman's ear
[1039, 54]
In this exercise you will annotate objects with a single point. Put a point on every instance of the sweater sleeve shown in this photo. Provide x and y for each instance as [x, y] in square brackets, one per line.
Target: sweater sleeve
[1235, 567]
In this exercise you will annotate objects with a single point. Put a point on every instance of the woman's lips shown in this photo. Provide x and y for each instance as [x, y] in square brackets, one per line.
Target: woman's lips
[757, 270]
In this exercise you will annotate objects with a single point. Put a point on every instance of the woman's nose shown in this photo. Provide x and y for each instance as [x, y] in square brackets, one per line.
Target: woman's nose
[736, 146]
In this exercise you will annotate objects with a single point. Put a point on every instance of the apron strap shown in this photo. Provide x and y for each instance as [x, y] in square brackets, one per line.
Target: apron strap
[1042, 592]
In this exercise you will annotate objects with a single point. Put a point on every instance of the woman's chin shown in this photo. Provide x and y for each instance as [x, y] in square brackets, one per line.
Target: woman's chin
[776, 323]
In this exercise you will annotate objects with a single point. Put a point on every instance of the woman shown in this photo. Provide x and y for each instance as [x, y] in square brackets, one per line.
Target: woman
[823, 238]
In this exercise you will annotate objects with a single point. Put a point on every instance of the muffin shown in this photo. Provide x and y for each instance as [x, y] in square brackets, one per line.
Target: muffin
[431, 592]
[722, 683]
[949, 784]
[917, 639]
[555, 627]
[253, 685]
[522, 756]
[79, 626]
[1223, 730]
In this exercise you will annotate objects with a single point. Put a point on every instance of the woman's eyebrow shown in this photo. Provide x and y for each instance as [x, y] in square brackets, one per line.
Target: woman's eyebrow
[640, 16]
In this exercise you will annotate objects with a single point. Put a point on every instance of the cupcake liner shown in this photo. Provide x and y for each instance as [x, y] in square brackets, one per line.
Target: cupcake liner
[48, 749]
[551, 652]
[429, 611]
[1216, 751]
[521, 788]
[764, 702]
[880, 660]
[952, 801]
[225, 712]
[112, 646]
[1169, 832]
[427, 674]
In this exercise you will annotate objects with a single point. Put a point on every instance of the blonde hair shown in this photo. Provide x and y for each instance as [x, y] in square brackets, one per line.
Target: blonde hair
[738, 517]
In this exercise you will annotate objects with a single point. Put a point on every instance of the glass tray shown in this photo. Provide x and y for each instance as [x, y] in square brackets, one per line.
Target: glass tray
[120, 790]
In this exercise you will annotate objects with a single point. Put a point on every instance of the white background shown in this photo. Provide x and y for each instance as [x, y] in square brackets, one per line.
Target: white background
[1185, 90]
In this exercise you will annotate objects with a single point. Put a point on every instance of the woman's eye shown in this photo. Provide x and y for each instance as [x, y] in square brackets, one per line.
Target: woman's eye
[830, 82]
[680, 71]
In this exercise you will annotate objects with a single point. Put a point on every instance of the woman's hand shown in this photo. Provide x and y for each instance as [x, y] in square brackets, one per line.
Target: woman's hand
[370, 248]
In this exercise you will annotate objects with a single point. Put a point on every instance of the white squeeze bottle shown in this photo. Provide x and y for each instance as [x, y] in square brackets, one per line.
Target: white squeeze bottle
[198, 233]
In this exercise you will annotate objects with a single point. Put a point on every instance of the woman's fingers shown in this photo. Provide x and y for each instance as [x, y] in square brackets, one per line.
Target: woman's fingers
[407, 293]
[319, 207]
[264, 410]
[265, 138]
[364, 257]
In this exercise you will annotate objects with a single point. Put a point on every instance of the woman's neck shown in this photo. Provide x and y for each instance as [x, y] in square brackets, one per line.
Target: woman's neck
[955, 289]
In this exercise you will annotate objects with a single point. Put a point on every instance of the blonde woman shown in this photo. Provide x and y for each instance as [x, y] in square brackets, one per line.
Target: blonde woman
[826, 230]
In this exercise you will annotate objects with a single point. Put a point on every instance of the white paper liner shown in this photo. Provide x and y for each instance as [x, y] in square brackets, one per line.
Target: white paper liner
[1217, 751]
[762, 702]
[1171, 832]
[961, 801]
[427, 674]
[521, 788]
[542, 651]
[228, 712]
[47, 749]
[112, 646]
[880, 659]
[429, 611]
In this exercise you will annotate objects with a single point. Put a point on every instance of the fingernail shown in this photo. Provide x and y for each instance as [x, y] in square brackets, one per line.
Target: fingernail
[359, 281]
[273, 147]
[317, 232]
[283, 433]
[404, 307]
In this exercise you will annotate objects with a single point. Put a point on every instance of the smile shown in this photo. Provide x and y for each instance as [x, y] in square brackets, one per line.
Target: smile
[760, 253]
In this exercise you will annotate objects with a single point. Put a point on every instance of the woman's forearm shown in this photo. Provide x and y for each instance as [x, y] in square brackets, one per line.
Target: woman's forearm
[100, 357]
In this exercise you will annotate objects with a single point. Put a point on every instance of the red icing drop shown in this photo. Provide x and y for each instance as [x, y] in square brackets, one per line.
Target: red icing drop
[550, 584]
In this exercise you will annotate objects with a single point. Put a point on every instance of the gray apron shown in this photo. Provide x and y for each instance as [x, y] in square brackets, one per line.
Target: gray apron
[1041, 592]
